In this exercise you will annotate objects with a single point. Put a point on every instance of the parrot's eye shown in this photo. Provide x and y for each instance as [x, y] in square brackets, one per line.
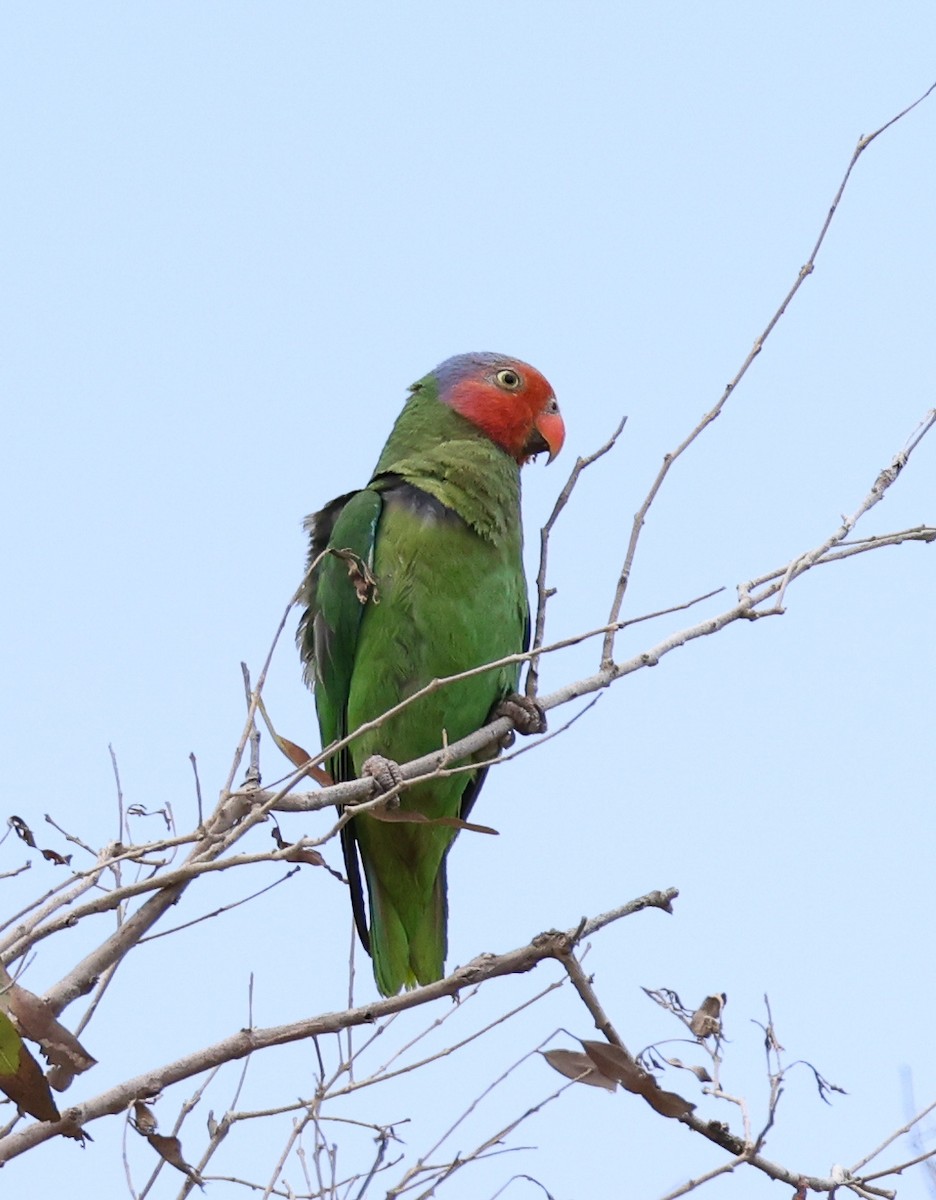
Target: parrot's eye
[508, 379]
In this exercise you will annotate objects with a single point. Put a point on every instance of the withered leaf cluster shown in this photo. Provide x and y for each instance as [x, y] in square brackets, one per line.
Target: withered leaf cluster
[606, 1065]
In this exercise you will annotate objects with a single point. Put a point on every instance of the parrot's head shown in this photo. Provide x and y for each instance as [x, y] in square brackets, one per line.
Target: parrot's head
[506, 399]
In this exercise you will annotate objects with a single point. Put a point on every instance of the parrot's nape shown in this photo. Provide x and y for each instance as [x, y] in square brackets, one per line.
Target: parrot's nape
[438, 527]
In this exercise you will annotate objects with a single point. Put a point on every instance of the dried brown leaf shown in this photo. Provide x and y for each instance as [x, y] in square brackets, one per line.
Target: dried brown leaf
[170, 1148]
[36, 1020]
[700, 1072]
[409, 816]
[139, 810]
[299, 854]
[299, 758]
[667, 1104]
[706, 1020]
[295, 753]
[144, 1119]
[577, 1066]
[305, 854]
[21, 1077]
[53, 856]
[296, 853]
[360, 574]
[617, 1063]
[22, 831]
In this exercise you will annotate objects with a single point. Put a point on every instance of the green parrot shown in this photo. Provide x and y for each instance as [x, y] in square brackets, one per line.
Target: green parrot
[438, 528]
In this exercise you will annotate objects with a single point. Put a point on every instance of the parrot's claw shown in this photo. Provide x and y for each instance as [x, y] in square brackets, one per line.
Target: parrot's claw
[528, 717]
[384, 771]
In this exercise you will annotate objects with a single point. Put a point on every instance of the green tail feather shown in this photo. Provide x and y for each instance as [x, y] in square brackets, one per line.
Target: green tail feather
[408, 946]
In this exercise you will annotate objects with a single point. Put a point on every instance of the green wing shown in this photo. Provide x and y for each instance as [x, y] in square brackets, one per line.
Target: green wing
[328, 636]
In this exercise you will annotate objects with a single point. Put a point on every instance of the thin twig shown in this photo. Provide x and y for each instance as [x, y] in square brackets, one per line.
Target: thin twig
[123, 832]
[225, 908]
[198, 792]
[255, 695]
[543, 593]
[691, 1184]
[247, 1041]
[607, 653]
[890, 1139]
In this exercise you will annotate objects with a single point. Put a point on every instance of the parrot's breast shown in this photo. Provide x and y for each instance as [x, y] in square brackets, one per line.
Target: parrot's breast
[447, 600]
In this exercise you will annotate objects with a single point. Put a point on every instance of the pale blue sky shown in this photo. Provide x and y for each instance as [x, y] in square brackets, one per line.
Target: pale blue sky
[232, 235]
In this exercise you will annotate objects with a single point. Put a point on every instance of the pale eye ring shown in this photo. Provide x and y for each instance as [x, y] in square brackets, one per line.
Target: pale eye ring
[508, 379]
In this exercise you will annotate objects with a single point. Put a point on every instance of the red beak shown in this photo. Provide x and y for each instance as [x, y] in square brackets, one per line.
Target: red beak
[552, 429]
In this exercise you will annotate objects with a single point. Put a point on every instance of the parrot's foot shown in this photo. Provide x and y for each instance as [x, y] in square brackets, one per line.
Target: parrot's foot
[527, 716]
[384, 771]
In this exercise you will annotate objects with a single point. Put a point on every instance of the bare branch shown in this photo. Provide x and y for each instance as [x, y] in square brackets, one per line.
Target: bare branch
[247, 1041]
[542, 592]
[805, 271]
[691, 1184]
[891, 1138]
